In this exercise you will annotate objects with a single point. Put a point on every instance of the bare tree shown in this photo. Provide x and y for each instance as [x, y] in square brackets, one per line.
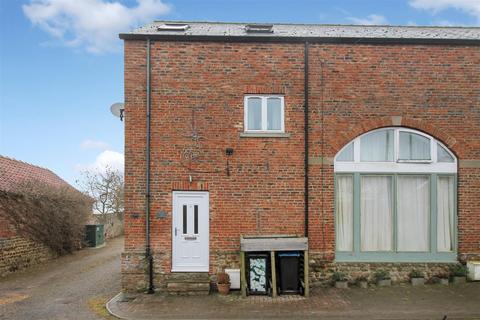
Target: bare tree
[106, 188]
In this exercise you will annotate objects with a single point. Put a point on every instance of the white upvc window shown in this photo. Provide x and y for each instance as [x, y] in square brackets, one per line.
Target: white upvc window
[395, 149]
[264, 113]
[395, 198]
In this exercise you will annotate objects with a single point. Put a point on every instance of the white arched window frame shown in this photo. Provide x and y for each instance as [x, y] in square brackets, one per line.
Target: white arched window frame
[396, 165]
[416, 192]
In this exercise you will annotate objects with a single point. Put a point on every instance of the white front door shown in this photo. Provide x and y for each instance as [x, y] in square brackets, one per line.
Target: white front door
[190, 229]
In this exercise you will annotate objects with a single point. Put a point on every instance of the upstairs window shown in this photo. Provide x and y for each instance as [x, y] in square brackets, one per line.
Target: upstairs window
[264, 113]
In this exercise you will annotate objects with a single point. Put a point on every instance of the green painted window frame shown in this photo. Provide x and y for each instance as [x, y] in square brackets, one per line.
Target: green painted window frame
[396, 256]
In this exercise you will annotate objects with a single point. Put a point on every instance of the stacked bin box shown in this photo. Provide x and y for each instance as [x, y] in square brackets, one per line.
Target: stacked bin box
[258, 269]
[289, 272]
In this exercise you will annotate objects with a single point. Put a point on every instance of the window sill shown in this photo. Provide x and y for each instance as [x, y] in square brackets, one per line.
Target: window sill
[264, 135]
[403, 257]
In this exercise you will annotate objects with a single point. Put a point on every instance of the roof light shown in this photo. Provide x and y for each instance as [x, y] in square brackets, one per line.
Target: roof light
[173, 27]
[259, 28]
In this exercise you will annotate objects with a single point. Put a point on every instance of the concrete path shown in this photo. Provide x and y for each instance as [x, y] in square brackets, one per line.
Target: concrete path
[71, 287]
[397, 302]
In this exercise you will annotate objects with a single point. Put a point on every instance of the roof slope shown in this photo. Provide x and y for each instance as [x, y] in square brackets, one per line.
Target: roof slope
[14, 173]
[301, 32]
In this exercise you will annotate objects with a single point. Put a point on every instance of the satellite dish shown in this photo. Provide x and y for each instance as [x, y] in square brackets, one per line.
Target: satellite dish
[117, 110]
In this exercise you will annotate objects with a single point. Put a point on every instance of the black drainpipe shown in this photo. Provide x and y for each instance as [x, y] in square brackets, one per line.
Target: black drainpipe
[148, 251]
[306, 135]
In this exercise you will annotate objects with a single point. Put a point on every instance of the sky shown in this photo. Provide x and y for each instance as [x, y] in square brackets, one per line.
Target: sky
[61, 63]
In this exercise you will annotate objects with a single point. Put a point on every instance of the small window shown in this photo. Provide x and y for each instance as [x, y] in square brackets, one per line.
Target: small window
[443, 155]
[264, 114]
[195, 219]
[445, 213]
[347, 153]
[173, 27]
[377, 146]
[185, 222]
[413, 213]
[254, 112]
[259, 28]
[376, 213]
[344, 213]
[413, 147]
[274, 114]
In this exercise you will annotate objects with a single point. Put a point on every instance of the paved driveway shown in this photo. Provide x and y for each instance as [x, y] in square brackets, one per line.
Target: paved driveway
[400, 302]
[71, 287]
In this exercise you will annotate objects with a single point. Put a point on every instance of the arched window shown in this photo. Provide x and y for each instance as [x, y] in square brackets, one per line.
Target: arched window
[395, 198]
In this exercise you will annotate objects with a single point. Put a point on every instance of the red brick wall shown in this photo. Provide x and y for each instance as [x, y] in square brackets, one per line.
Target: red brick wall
[432, 88]
[435, 89]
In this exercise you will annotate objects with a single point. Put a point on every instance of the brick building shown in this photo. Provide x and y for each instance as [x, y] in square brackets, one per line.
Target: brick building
[364, 139]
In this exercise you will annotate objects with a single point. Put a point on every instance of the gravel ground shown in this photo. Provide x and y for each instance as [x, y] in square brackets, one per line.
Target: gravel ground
[71, 287]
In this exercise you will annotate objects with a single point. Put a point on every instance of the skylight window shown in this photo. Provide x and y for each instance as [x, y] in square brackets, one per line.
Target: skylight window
[259, 28]
[173, 27]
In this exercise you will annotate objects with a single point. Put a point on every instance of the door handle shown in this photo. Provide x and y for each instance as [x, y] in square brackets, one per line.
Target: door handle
[176, 231]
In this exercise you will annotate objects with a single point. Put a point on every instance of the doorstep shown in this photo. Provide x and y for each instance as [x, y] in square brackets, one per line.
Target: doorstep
[397, 302]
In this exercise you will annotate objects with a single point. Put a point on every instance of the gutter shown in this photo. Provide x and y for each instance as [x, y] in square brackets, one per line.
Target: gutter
[148, 251]
[306, 127]
[285, 39]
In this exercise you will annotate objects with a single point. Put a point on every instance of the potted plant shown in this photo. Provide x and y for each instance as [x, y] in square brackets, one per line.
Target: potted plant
[362, 282]
[416, 278]
[223, 283]
[459, 272]
[382, 277]
[340, 280]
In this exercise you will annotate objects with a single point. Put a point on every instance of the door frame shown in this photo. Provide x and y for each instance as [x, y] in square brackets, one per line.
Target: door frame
[206, 195]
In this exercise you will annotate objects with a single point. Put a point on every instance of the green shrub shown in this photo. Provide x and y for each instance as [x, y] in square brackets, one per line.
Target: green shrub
[381, 274]
[339, 276]
[416, 274]
[459, 270]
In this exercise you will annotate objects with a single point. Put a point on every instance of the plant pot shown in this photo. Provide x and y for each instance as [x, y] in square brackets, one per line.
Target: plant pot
[458, 280]
[363, 284]
[341, 284]
[443, 281]
[417, 281]
[223, 288]
[384, 283]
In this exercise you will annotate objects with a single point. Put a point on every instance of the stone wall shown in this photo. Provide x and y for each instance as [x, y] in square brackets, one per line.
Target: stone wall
[17, 253]
[321, 270]
[135, 278]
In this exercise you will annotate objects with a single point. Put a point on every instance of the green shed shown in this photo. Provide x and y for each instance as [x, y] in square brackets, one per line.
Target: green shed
[94, 235]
